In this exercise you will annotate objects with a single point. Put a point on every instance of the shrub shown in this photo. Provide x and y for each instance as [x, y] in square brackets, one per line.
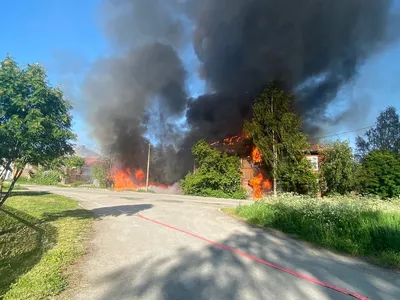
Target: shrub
[360, 226]
[77, 183]
[381, 174]
[217, 175]
[339, 171]
[50, 177]
[298, 177]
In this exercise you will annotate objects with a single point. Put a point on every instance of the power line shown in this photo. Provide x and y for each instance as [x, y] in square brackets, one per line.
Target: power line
[341, 133]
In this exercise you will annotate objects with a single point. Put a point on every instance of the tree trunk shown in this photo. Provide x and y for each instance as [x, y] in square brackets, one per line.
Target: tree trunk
[3, 199]
[3, 175]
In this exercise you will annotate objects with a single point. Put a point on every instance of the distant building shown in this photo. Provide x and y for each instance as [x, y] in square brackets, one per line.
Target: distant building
[315, 156]
[86, 172]
[8, 173]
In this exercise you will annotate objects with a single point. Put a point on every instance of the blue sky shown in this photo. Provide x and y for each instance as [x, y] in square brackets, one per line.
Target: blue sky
[65, 36]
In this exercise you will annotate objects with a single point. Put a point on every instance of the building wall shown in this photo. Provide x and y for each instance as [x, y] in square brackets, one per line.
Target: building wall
[247, 174]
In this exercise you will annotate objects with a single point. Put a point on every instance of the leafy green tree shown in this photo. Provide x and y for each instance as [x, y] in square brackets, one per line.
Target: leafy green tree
[298, 177]
[35, 121]
[381, 174]
[384, 136]
[217, 175]
[276, 130]
[65, 164]
[74, 162]
[339, 170]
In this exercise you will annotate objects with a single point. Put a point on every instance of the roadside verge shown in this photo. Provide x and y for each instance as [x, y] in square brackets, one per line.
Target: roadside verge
[41, 235]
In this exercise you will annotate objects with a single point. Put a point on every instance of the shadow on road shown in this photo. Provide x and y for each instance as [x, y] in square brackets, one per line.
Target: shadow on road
[116, 211]
[214, 273]
[112, 211]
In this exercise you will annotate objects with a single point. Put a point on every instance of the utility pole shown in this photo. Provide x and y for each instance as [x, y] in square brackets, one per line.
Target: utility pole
[275, 162]
[148, 169]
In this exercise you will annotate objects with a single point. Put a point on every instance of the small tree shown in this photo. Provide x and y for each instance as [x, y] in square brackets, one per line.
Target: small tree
[381, 174]
[298, 177]
[384, 136]
[65, 164]
[35, 121]
[217, 174]
[74, 162]
[276, 130]
[338, 169]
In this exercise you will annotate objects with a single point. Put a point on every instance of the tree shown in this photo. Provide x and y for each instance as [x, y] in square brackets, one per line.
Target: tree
[217, 175]
[339, 170]
[65, 164]
[74, 162]
[276, 130]
[381, 174]
[384, 136]
[35, 121]
[298, 177]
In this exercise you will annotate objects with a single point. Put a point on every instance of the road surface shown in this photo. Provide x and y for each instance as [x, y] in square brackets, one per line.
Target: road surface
[150, 246]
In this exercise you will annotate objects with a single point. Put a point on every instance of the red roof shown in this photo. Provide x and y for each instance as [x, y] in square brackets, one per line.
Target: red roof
[90, 161]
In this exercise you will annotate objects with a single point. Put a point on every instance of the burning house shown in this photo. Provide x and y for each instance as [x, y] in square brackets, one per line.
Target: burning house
[256, 178]
[142, 90]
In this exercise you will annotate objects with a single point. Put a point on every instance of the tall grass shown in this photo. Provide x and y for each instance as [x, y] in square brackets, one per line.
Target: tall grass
[359, 226]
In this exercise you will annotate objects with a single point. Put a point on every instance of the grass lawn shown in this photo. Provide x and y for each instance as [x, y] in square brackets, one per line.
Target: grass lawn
[40, 236]
[17, 187]
[361, 227]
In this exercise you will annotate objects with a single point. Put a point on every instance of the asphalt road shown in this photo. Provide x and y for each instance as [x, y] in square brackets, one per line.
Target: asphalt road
[131, 257]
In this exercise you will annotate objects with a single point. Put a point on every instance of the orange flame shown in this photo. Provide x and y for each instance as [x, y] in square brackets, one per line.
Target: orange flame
[139, 175]
[259, 184]
[124, 180]
[230, 141]
[256, 155]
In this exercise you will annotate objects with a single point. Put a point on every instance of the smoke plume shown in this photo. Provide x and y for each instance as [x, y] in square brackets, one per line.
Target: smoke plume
[313, 46]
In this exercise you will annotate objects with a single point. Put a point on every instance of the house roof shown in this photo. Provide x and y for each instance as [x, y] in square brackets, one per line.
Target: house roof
[316, 148]
[90, 161]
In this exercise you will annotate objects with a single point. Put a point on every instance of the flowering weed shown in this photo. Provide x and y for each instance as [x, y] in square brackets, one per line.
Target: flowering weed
[361, 226]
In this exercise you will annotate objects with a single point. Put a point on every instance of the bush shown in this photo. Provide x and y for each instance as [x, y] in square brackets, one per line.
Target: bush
[381, 174]
[339, 171]
[99, 173]
[217, 175]
[361, 226]
[77, 183]
[298, 177]
[50, 177]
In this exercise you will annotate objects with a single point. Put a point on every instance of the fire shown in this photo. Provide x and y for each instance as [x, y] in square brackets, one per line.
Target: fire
[139, 175]
[125, 180]
[259, 184]
[230, 141]
[256, 155]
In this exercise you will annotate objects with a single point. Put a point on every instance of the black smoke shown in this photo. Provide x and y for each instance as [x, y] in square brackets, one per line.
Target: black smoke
[313, 46]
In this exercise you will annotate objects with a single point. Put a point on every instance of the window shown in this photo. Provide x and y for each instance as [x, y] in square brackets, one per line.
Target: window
[314, 161]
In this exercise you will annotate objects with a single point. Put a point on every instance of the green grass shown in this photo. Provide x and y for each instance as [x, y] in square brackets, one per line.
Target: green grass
[368, 228]
[17, 187]
[40, 236]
